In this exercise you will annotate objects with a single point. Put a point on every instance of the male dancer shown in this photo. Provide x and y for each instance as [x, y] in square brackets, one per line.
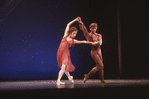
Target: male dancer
[95, 50]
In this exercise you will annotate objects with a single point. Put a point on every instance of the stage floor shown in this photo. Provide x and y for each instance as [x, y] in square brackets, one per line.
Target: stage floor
[113, 88]
[47, 84]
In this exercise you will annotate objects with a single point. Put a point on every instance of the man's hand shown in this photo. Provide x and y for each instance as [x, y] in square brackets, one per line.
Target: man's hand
[94, 43]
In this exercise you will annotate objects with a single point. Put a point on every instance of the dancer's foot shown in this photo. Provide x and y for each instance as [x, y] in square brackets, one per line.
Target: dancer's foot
[71, 79]
[85, 77]
[60, 83]
[102, 81]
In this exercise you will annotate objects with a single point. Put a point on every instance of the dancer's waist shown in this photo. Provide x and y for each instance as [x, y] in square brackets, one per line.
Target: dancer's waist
[95, 47]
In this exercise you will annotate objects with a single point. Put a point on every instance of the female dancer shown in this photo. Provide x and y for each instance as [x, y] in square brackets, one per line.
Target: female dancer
[63, 54]
[95, 50]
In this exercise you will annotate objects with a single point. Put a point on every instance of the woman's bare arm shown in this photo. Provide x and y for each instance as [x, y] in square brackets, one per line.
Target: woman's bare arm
[84, 42]
[68, 25]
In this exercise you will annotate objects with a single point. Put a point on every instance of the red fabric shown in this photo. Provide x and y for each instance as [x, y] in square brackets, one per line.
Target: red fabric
[63, 54]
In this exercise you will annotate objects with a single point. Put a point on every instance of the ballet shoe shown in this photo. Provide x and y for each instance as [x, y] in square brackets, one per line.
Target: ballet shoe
[60, 83]
[71, 79]
[85, 77]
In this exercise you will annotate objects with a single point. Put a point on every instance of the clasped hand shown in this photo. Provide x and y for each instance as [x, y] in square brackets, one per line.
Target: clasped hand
[94, 43]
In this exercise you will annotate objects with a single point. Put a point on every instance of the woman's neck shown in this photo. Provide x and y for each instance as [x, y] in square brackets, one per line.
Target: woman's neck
[69, 38]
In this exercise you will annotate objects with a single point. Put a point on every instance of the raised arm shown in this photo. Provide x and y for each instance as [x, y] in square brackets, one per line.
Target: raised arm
[83, 29]
[68, 25]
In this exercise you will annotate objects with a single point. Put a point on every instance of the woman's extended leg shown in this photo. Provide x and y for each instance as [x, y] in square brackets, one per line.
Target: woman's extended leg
[60, 74]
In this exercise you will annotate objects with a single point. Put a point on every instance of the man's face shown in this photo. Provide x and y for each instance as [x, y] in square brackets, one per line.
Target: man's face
[93, 29]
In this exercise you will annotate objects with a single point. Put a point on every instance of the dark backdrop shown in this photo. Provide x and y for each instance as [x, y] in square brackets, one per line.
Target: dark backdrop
[135, 29]
[32, 31]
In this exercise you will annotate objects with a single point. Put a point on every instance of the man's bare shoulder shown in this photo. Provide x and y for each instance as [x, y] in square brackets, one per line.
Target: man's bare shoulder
[98, 34]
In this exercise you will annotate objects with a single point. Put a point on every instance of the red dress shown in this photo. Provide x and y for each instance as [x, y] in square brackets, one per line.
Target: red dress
[63, 54]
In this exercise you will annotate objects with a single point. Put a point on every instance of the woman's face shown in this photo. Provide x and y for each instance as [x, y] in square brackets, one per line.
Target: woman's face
[93, 29]
[73, 34]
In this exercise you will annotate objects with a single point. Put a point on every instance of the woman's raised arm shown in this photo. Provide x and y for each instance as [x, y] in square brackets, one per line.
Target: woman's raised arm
[68, 25]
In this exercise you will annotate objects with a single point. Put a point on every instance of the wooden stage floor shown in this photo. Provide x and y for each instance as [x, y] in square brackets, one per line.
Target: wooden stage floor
[124, 88]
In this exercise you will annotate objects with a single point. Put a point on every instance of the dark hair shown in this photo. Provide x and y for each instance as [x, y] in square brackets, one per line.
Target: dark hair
[93, 25]
[72, 29]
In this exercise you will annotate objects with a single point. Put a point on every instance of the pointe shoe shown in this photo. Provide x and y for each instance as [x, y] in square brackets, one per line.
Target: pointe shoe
[71, 79]
[85, 77]
[60, 83]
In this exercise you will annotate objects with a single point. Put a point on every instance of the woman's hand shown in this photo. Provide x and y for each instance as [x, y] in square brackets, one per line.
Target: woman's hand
[79, 20]
[68, 25]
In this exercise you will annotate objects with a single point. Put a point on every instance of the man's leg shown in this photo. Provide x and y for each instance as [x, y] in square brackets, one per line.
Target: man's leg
[91, 72]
